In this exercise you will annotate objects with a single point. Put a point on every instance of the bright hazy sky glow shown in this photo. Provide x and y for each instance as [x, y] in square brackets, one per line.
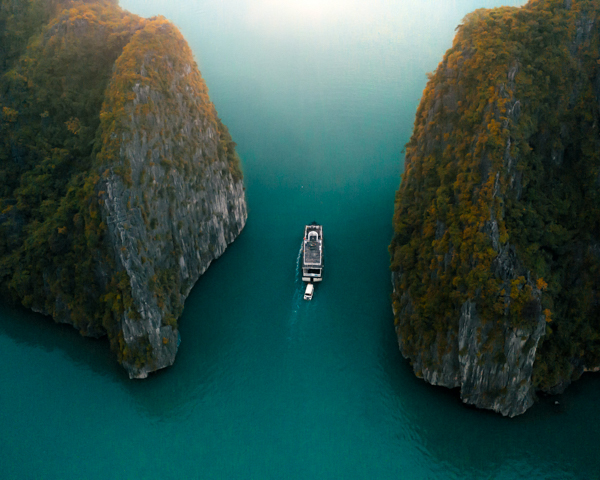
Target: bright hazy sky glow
[275, 14]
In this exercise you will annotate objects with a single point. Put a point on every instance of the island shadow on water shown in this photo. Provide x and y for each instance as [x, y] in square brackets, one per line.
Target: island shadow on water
[40, 331]
[163, 395]
[466, 439]
[167, 392]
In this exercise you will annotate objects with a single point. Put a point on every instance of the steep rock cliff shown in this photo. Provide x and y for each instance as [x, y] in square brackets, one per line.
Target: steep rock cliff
[495, 259]
[181, 200]
[114, 202]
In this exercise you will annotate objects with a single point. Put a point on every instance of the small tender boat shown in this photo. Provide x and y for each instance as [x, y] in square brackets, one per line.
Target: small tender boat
[310, 289]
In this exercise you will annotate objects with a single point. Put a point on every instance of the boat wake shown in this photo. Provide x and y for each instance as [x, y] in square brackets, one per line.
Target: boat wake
[298, 295]
[298, 284]
[298, 258]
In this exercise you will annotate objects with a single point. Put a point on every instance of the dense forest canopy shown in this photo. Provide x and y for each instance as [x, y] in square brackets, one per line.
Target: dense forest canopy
[52, 93]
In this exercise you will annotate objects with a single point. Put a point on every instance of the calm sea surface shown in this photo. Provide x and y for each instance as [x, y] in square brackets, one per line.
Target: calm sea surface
[320, 96]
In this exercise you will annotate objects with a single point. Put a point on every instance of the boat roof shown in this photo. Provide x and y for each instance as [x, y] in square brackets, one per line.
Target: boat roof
[313, 249]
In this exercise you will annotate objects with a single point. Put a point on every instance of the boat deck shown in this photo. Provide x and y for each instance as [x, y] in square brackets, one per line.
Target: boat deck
[312, 253]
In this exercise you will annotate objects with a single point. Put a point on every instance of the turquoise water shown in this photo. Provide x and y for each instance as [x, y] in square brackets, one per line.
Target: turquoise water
[320, 97]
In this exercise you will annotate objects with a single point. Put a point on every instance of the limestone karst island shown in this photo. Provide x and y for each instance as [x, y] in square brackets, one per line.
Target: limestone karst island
[118, 182]
[496, 253]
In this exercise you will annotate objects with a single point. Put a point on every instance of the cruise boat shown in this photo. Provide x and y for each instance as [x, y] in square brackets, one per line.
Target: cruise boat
[312, 257]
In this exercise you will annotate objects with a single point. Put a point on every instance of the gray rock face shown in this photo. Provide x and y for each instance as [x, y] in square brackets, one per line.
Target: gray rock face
[180, 211]
[492, 366]
[491, 376]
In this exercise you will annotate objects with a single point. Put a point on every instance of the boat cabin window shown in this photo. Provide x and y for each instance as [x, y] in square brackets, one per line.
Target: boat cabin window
[316, 271]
